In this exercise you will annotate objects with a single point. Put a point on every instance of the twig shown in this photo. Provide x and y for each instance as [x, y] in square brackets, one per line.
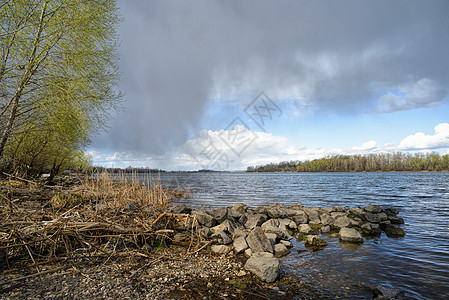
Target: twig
[158, 218]
[21, 179]
[35, 274]
[198, 250]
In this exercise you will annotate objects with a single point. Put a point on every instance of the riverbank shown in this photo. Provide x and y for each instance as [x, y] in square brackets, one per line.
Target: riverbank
[139, 251]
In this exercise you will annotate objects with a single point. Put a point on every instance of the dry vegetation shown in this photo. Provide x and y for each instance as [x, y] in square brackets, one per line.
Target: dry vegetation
[104, 216]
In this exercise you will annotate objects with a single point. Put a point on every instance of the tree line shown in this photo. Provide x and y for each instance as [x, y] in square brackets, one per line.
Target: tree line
[58, 72]
[382, 162]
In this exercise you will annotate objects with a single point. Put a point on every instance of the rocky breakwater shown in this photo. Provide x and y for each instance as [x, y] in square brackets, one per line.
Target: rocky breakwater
[263, 234]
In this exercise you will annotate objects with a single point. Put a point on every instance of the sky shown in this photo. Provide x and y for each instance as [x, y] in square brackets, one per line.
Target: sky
[228, 84]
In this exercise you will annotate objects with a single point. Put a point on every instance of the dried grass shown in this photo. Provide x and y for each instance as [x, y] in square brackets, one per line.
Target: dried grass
[105, 216]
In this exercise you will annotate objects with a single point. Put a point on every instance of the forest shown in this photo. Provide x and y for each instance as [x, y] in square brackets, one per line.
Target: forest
[382, 162]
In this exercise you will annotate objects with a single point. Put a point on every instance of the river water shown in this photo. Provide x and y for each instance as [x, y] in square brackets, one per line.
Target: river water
[417, 263]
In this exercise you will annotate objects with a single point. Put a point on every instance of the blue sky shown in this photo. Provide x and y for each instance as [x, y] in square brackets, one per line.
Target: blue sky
[343, 77]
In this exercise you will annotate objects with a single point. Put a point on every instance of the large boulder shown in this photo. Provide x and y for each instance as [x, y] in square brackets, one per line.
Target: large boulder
[220, 249]
[280, 250]
[300, 217]
[234, 214]
[394, 231]
[227, 226]
[241, 208]
[274, 226]
[315, 241]
[255, 220]
[326, 219]
[258, 241]
[240, 244]
[221, 237]
[372, 218]
[205, 219]
[287, 224]
[371, 229]
[350, 235]
[220, 214]
[305, 229]
[381, 292]
[264, 266]
[342, 221]
[313, 216]
[374, 209]
[356, 212]
[277, 211]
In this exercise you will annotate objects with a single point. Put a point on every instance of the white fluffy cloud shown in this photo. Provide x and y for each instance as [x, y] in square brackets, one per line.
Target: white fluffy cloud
[422, 94]
[419, 140]
[367, 146]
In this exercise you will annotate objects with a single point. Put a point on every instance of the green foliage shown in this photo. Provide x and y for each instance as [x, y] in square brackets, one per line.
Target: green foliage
[58, 70]
[384, 162]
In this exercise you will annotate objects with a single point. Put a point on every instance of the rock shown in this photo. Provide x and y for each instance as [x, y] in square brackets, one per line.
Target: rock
[273, 226]
[240, 244]
[394, 231]
[219, 214]
[356, 212]
[350, 235]
[181, 209]
[312, 213]
[372, 218]
[232, 213]
[221, 249]
[180, 237]
[315, 241]
[296, 206]
[342, 221]
[287, 244]
[277, 212]
[248, 253]
[381, 292]
[272, 237]
[238, 232]
[287, 224]
[328, 210]
[222, 238]
[371, 229]
[384, 224]
[264, 266]
[255, 220]
[326, 219]
[374, 209]
[336, 215]
[227, 226]
[205, 233]
[280, 250]
[391, 211]
[395, 220]
[305, 229]
[300, 217]
[382, 216]
[243, 218]
[241, 208]
[325, 229]
[258, 241]
[205, 219]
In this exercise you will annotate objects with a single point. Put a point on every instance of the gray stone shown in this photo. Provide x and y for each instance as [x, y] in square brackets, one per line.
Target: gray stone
[240, 244]
[356, 212]
[305, 229]
[395, 220]
[180, 237]
[391, 211]
[382, 216]
[371, 229]
[372, 218]
[296, 206]
[205, 219]
[339, 209]
[277, 212]
[221, 249]
[394, 231]
[258, 241]
[181, 209]
[325, 229]
[272, 237]
[312, 213]
[255, 220]
[232, 213]
[241, 208]
[263, 266]
[222, 238]
[248, 253]
[287, 224]
[374, 209]
[287, 244]
[350, 235]
[381, 292]
[280, 250]
[336, 215]
[273, 226]
[328, 210]
[342, 221]
[315, 241]
[220, 214]
[326, 219]
[300, 217]
[384, 224]
[238, 232]
[227, 226]
[205, 233]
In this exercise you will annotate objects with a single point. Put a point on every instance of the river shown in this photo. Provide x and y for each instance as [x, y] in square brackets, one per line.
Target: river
[417, 263]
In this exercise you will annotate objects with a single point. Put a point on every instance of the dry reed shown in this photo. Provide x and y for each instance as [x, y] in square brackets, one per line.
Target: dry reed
[104, 216]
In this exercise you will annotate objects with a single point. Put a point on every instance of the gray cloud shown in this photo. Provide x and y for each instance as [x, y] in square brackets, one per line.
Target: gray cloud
[337, 55]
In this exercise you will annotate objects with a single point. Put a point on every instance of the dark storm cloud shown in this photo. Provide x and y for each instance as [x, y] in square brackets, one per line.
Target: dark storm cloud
[338, 55]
